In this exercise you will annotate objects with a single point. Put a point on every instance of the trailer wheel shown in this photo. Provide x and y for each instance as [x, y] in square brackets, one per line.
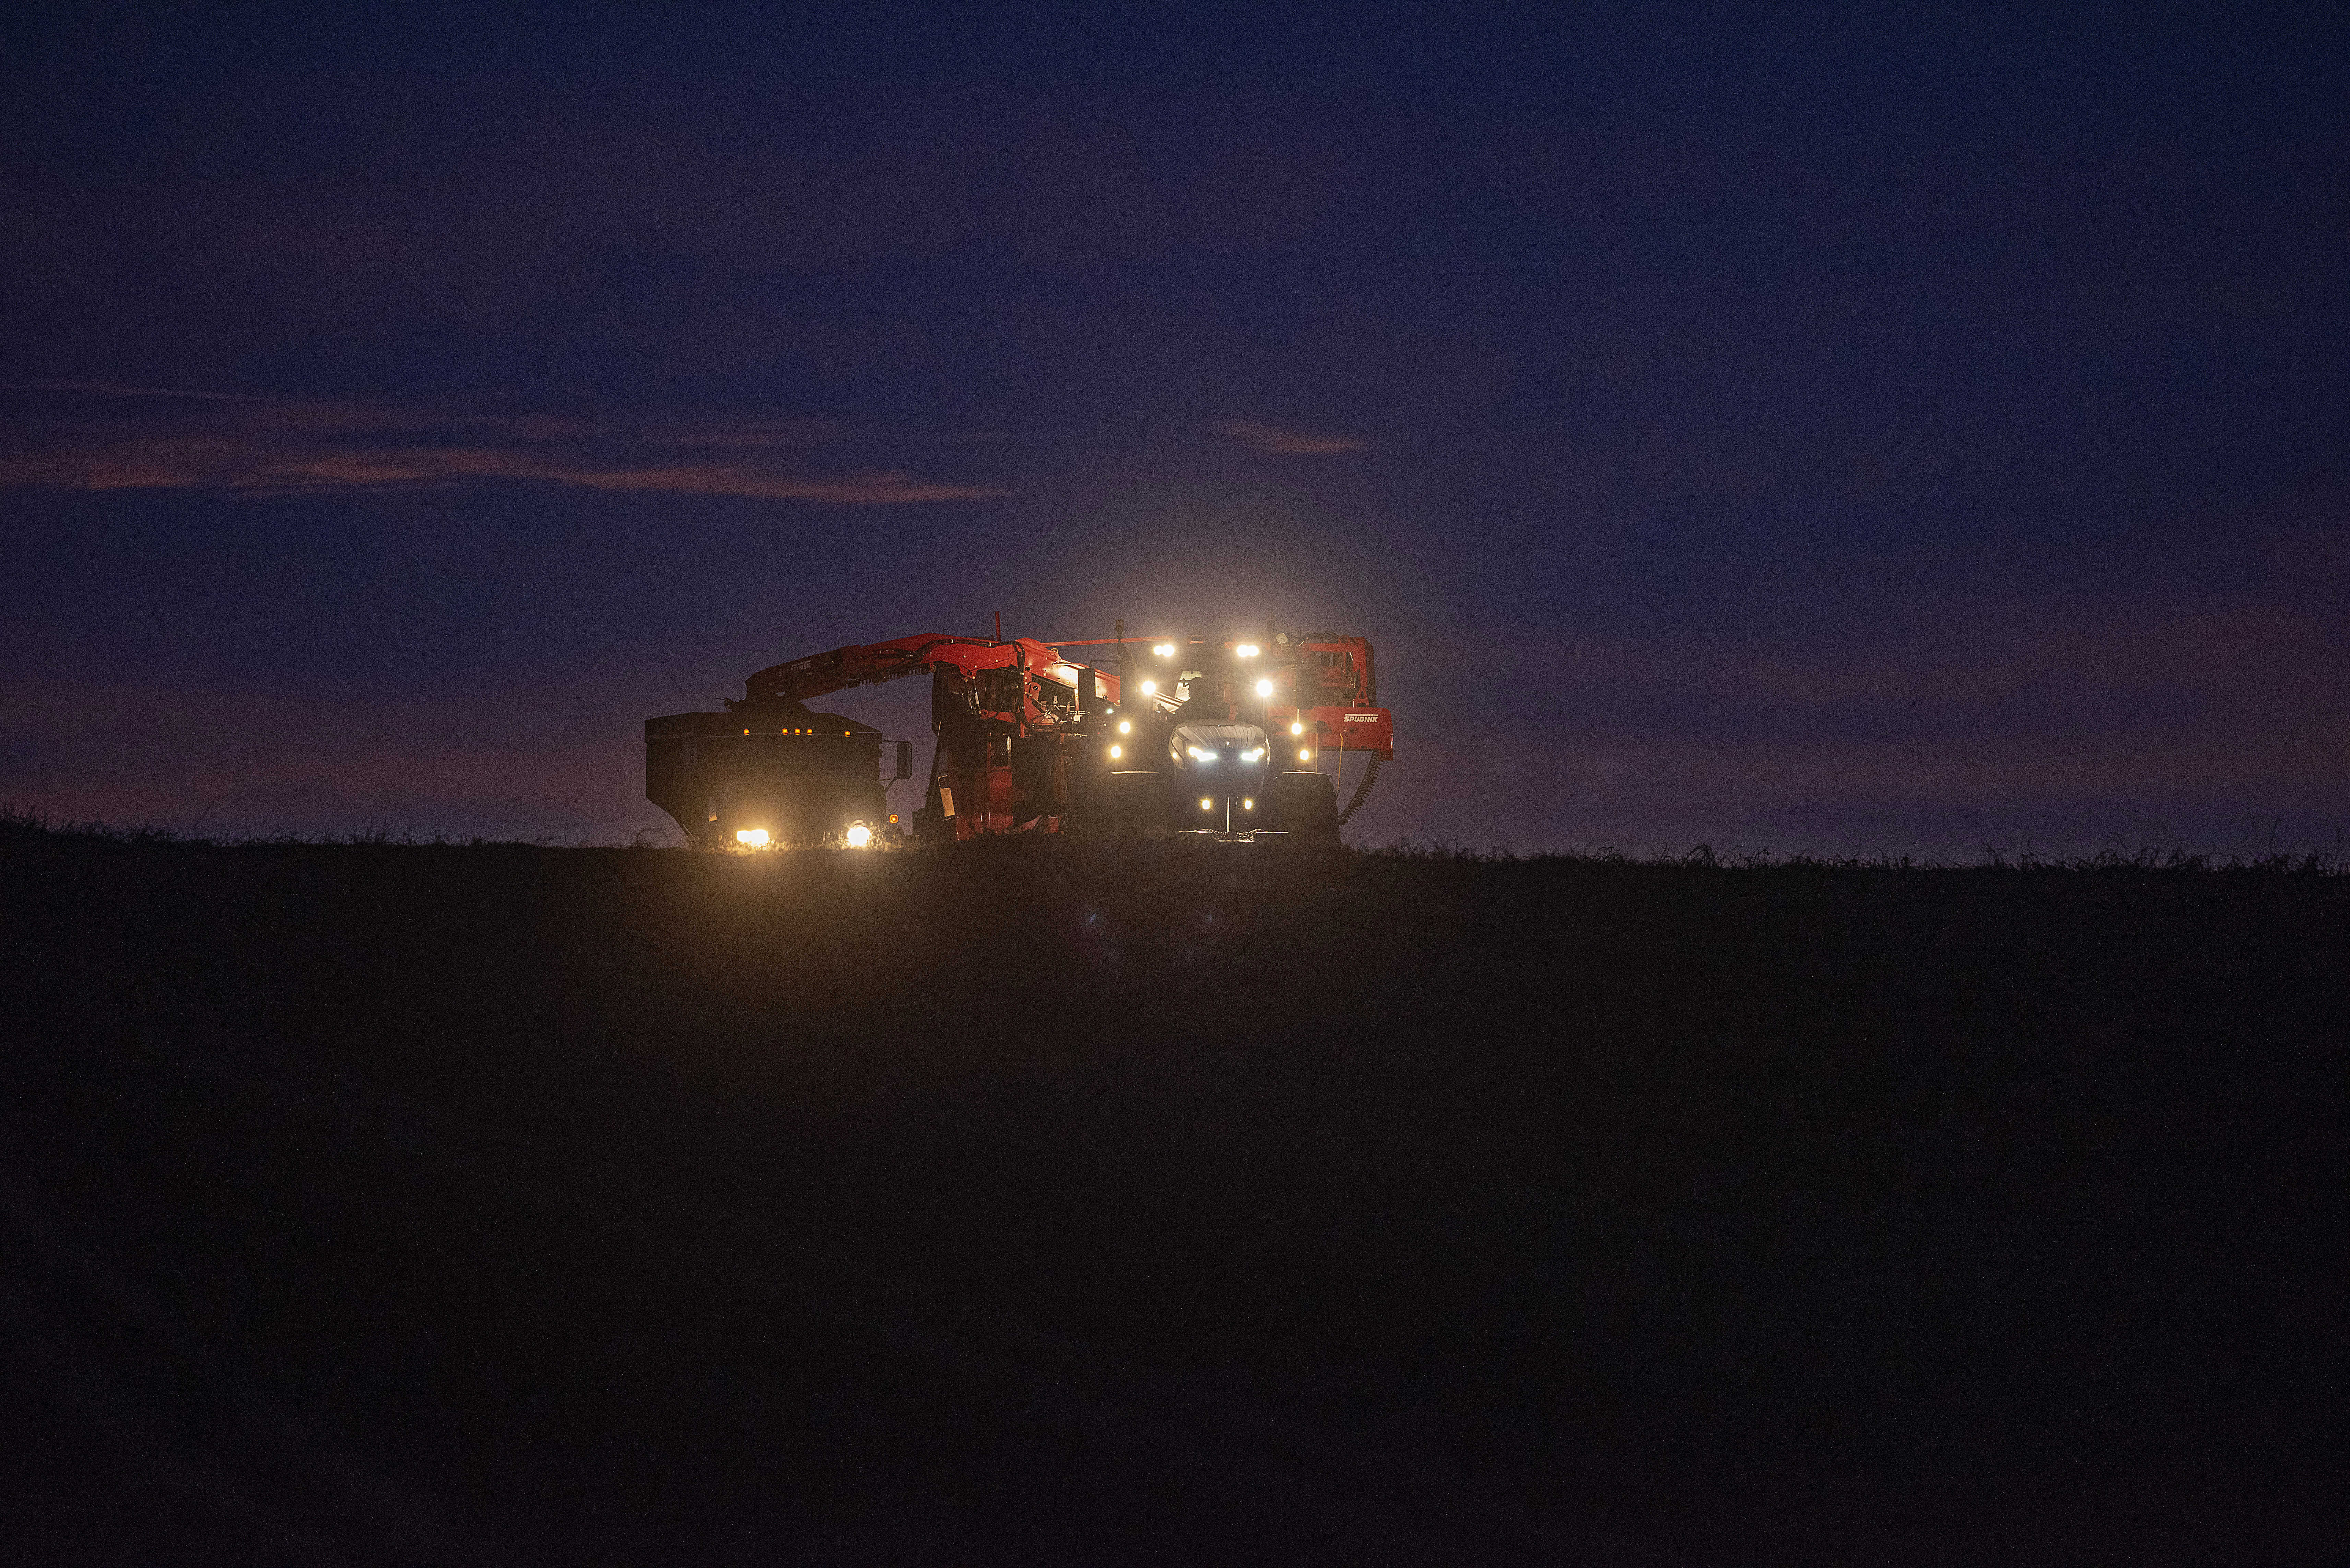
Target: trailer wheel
[1138, 805]
[1307, 805]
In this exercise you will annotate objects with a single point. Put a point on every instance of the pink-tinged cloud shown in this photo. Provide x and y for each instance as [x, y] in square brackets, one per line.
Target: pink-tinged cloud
[1259, 436]
[2224, 700]
[97, 437]
[115, 390]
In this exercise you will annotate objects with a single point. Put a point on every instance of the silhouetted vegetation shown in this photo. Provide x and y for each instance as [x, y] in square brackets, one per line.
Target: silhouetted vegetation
[1043, 1202]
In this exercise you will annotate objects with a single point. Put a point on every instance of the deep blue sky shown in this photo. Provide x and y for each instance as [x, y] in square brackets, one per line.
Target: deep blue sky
[1829, 429]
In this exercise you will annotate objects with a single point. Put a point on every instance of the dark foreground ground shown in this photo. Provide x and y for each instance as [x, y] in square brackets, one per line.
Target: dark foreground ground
[411, 1204]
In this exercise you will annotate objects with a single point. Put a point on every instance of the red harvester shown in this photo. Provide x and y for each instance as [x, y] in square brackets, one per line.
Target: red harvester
[1222, 737]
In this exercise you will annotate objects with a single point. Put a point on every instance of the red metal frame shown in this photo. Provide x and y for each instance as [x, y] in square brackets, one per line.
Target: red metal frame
[988, 698]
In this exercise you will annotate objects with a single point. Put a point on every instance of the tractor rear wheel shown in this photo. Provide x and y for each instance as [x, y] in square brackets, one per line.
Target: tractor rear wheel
[1137, 804]
[1307, 805]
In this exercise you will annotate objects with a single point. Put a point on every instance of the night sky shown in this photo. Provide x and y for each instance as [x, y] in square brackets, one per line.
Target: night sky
[1833, 429]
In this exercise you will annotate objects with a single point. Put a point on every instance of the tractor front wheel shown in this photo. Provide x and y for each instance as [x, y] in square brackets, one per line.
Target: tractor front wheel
[1307, 805]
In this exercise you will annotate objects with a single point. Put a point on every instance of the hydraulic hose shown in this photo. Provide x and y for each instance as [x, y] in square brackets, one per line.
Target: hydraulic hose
[1363, 790]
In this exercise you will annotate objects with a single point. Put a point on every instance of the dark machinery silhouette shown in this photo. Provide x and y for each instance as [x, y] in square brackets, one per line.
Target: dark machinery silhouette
[1222, 738]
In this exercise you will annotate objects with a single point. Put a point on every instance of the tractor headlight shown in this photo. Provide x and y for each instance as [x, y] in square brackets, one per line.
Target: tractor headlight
[1163, 649]
[1248, 805]
[1115, 752]
[1150, 689]
[1207, 802]
[1305, 755]
[1126, 726]
[859, 835]
[1298, 728]
[1246, 650]
[1265, 688]
[751, 838]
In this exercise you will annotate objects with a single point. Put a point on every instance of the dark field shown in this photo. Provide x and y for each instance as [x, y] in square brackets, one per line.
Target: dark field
[418, 1204]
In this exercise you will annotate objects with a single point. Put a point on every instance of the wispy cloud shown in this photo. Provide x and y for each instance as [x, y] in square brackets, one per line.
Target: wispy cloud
[95, 436]
[115, 390]
[2136, 697]
[1257, 436]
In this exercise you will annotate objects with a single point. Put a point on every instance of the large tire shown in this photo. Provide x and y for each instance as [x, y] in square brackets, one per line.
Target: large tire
[1138, 805]
[1306, 804]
